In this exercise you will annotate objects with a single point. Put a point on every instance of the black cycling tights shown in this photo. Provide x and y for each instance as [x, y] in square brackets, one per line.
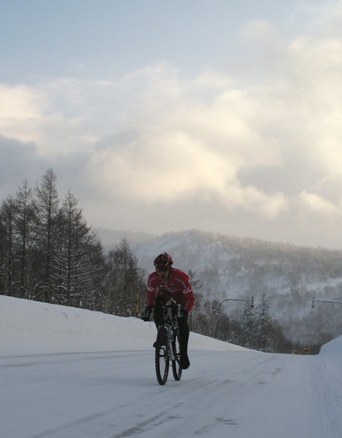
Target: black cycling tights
[182, 323]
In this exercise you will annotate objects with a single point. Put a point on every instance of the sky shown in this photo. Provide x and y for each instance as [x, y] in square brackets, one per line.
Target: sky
[162, 116]
[75, 373]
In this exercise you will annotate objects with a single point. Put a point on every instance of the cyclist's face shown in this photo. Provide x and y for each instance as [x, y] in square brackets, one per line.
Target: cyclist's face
[163, 272]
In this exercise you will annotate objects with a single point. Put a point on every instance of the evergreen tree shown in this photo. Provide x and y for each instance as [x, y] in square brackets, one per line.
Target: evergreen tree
[263, 324]
[247, 326]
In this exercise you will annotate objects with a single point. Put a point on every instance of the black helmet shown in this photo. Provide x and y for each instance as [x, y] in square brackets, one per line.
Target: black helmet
[163, 260]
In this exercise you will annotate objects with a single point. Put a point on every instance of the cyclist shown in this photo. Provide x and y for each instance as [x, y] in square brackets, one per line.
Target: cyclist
[163, 284]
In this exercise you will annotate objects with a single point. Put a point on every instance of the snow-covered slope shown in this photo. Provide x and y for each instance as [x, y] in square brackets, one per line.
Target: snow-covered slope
[70, 373]
[233, 267]
[31, 327]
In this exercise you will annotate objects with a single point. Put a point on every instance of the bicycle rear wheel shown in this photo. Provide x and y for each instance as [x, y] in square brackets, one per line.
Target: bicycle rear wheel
[161, 356]
[176, 368]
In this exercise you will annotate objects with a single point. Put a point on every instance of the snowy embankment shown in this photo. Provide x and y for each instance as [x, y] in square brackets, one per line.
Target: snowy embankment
[30, 327]
[107, 387]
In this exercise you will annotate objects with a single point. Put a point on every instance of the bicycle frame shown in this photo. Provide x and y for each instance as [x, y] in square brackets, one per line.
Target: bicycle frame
[166, 353]
[171, 326]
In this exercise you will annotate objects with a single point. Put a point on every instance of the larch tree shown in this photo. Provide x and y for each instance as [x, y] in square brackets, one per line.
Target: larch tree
[47, 207]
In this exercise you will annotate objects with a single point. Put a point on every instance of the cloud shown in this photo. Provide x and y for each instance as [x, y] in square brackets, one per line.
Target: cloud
[21, 112]
[19, 162]
[163, 167]
[19, 103]
[50, 115]
[262, 147]
[159, 165]
[317, 205]
[257, 29]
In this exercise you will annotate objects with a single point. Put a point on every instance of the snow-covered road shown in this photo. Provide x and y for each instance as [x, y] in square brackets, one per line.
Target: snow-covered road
[227, 391]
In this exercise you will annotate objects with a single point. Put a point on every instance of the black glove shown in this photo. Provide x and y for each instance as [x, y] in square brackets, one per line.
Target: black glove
[146, 313]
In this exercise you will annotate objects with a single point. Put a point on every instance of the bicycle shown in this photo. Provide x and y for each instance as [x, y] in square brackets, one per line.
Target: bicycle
[167, 349]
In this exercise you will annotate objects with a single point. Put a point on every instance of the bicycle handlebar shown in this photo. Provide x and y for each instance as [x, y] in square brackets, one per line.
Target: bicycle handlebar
[170, 306]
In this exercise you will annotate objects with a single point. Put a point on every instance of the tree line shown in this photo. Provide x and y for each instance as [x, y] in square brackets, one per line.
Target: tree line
[49, 253]
[251, 326]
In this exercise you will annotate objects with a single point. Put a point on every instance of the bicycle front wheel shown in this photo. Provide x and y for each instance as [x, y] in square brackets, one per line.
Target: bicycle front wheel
[176, 368]
[161, 356]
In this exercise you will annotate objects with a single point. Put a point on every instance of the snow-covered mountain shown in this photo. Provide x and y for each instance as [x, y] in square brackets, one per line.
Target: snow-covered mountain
[232, 267]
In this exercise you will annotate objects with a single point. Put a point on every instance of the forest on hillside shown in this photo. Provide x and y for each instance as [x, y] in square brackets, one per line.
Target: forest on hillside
[48, 253]
[288, 276]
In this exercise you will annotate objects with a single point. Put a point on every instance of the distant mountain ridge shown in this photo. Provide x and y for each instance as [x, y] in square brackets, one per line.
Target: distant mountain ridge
[233, 267]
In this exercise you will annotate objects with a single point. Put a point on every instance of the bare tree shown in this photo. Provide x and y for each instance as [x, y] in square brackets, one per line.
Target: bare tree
[7, 215]
[123, 279]
[24, 222]
[47, 213]
[75, 267]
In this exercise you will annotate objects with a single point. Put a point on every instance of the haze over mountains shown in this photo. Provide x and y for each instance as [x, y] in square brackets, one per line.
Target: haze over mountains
[232, 267]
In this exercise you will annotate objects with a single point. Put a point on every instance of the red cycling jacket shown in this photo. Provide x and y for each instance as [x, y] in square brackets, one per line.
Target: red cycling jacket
[177, 286]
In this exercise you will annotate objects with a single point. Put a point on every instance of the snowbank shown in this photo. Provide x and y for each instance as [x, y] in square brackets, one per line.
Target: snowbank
[31, 327]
